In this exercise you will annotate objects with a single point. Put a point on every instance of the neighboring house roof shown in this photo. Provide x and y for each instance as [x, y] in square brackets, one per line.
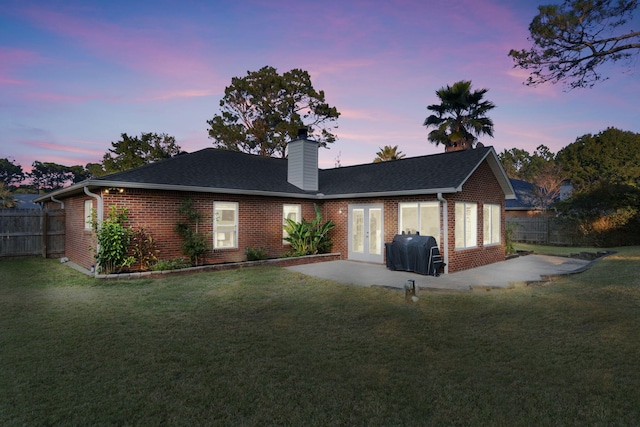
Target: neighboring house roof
[525, 196]
[26, 201]
[220, 171]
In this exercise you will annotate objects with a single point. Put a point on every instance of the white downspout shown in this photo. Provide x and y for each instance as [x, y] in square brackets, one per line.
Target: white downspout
[100, 209]
[445, 221]
[99, 214]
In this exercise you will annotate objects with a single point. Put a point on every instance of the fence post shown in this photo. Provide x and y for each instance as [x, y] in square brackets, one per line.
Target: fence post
[548, 242]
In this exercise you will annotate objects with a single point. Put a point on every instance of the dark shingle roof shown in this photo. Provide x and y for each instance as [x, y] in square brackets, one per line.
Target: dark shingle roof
[217, 170]
[438, 171]
[213, 168]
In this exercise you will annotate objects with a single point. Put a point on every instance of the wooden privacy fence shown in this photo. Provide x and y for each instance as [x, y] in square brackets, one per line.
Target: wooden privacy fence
[31, 232]
[540, 230]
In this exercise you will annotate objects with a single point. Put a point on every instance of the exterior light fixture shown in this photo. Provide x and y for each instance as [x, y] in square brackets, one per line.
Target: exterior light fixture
[113, 190]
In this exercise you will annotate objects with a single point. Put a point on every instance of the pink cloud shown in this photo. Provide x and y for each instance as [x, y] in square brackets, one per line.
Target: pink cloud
[66, 148]
[175, 94]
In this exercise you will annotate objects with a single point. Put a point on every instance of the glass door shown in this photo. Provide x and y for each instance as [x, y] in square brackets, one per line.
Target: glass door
[366, 237]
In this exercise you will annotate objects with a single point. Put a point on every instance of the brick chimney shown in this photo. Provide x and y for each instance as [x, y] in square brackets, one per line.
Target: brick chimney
[303, 162]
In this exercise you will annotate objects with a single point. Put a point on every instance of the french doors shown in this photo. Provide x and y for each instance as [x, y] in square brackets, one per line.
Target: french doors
[366, 236]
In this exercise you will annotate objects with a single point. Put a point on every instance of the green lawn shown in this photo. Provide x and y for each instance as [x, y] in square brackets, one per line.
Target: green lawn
[265, 346]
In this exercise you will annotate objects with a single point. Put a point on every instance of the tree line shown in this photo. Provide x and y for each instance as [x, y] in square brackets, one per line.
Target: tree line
[127, 153]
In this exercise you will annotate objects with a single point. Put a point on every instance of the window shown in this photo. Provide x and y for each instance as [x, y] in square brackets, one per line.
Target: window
[88, 214]
[225, 225]
[491, 218]
[423, 217]
[466, 225]
[292, 212]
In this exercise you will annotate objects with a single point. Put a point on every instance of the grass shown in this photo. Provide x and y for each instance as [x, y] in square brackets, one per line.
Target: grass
[265, 346]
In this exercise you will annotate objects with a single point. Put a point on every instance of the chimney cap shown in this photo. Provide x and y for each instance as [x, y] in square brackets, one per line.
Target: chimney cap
[303, 133]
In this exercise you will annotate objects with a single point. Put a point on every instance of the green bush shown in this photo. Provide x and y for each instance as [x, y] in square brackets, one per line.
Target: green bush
[309, 237]
[143, 248]
[113, 241]
[171, 264]
[256, 254]
[195, 243]
[606, 215]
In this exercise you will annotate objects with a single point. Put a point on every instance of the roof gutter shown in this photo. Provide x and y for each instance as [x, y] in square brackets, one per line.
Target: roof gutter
[445, 220]
[418, 192]
[53, 199]
[238, 191]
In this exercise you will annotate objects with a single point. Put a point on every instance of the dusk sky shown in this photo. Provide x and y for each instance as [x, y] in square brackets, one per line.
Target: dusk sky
[75, 74]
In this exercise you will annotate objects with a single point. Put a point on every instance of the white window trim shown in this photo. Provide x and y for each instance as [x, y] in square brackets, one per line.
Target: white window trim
[420, 204]
[464, 224]
[492, 223]
[235, 226]
[298, 209]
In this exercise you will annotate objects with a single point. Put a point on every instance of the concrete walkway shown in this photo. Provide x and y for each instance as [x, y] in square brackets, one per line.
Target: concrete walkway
[520, 270]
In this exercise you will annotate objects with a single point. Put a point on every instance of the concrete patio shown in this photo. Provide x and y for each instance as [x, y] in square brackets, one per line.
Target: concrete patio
[509, 273]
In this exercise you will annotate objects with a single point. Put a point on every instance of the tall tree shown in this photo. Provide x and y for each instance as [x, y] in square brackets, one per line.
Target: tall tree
[94, 170]
[515, 162]
[519, 164]
[10, 173]
[262, 112]
[460, 117]
[387, 153]
[572, 40]
[547, 184]
[611, 156]
[131, 152]
[49, 176]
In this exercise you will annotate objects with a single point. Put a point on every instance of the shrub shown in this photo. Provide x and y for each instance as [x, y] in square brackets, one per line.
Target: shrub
[143, 248]
[309, 237]
[113, 241]
[256, 254]
[195, 243]
[606, 215]
[171, 264]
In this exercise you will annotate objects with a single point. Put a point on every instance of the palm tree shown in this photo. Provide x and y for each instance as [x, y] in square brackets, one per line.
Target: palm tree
[387, 153]
[460, 117]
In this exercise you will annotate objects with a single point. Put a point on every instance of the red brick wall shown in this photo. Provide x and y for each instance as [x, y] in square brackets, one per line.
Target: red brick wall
[260, 221]
[340, 234]
[482, 187]
[79, 244]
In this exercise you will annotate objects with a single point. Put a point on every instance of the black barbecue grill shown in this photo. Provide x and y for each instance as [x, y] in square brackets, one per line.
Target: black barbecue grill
[413, 252]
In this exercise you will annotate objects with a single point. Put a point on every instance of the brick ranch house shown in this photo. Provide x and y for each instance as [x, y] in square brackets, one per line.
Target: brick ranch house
[457, 197]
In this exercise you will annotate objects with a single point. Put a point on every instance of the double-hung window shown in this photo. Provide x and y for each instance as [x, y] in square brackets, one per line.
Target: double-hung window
[491, 219]
[422, 217]
[466, 225]
[292, 212]
[225, 225]
[88, 214]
